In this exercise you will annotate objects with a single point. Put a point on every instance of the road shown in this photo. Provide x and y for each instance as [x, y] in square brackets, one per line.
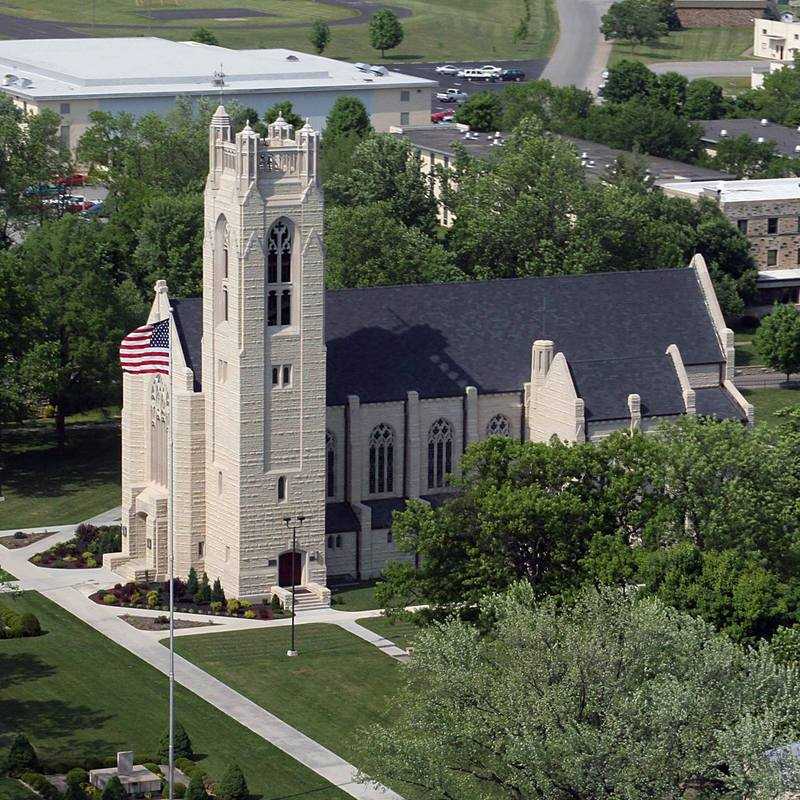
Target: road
[706, 69]
[581, 53]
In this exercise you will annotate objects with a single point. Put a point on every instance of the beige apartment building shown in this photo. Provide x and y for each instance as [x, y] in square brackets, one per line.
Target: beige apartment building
[776, 40]
[291, 401]
[74, 77]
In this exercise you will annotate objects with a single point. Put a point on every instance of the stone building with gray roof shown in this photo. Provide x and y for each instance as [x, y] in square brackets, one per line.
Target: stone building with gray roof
[288, 401]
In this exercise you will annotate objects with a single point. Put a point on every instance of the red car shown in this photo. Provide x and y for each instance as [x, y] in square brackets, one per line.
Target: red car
[72, 180]
[442, 116]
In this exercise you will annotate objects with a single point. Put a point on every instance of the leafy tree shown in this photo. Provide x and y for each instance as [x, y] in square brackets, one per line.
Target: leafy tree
[601, 698]
[786, 645]
[192, 584]
[386, 169]
[205, 36]
[704, 100]
[629, 80]
[367, 245]
[170, 243]
[233, 785]
[217, 592]
[113, 790]
[669, 91]
[385, 30]
[777, 339]
[21, 757]
[634, 21]
[320, 36]
[482, 112]
[348, 115]
[182, 744]
[286, 110]
[560, 109]
[196, 790]
[743, 156]
[80, 316]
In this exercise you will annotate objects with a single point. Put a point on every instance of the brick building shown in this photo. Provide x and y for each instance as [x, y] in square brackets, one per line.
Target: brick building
[722, 13]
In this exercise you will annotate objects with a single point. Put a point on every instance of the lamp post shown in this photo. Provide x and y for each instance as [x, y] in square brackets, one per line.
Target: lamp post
[293, 523]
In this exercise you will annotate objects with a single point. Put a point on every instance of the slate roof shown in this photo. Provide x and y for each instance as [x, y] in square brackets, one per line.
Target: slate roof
[784, 138]
[340, 518]
[614, 329]
[188, 316]
[716, 402]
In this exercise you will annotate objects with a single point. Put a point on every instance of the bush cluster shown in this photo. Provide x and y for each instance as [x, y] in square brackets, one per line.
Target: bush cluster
[85, 550]
[14, 625]
[41, 785]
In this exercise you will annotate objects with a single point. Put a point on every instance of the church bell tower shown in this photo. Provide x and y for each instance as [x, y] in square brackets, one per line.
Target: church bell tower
[263, 358]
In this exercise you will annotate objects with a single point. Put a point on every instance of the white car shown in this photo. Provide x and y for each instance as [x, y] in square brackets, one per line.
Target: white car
[486, 73]
[447, 69]
[451, 96]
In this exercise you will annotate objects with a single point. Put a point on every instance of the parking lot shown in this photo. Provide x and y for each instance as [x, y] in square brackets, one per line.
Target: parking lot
[532, 69]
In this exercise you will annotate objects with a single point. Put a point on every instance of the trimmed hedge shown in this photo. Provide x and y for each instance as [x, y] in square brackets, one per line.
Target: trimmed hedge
[14, 625]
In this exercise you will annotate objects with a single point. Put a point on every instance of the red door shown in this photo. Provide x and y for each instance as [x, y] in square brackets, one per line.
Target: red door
[288, 564]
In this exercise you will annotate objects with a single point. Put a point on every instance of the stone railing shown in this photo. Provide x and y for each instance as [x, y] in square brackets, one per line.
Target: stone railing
[322, 593]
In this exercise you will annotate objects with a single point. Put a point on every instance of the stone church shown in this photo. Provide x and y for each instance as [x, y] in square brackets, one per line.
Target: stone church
[337, 406]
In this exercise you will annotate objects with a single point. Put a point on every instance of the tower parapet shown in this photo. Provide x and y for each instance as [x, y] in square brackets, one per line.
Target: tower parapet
[282, 155]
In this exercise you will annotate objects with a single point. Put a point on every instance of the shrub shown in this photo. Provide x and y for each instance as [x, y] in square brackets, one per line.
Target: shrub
[110, 599]
[233, 785]
[182, 745]
[196, 790]
[205, 590]
[40, 785]
[276, 603]
[245, 604]
[114, 790]
[249, 614]
[162, 619]
[178, 790]
[185, 765]
[217, 592]
[77, 775]
[30, 625]
[152, 599]
[21, 757]
[75, 791]
[19, 535]
[153, 767]
[17, 625]
[233, 606]
[216, 606]
[192, 585]
[37, 559]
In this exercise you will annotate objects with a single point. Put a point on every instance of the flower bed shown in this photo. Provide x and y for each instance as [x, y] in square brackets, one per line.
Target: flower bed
[156, 596]
[23, 539]
[84, 550]
[160, 623]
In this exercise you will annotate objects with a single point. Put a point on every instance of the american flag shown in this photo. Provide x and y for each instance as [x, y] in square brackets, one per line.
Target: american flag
[146, 350]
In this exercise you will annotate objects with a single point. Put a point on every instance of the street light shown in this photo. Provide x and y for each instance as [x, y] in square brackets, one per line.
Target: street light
[293, 524]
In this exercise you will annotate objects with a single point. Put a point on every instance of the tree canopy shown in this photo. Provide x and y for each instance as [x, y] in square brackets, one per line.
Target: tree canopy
[777, 339]
[385, 30]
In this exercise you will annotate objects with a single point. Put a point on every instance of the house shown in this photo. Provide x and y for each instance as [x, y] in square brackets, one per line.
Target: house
[776, 40]
[74, 77]
[722, 13]
[292, 406]
[767, 212]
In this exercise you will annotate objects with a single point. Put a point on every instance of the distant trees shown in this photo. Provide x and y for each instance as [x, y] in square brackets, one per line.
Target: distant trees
[596, 696]
[777, 339]
[319, 36]
[385, 30]
[204, 36]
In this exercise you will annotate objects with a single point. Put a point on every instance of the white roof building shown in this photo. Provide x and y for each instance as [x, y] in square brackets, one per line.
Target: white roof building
[76, 76]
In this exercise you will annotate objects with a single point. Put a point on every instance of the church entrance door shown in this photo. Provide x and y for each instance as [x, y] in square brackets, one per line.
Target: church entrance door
[289, 564]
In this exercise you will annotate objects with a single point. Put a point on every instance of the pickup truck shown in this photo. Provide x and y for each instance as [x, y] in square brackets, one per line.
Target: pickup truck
[451, 96]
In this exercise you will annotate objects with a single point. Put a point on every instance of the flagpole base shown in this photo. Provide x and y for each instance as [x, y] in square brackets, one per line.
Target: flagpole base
[292, 653]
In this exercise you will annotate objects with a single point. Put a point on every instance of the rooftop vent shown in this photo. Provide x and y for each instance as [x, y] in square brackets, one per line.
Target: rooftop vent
[797, 148]
[218, 77]
[361, 65]
[723, 132]
[292, 57]
[764, 123]
[25, 82]
[9, 79]
[379, 70]
[760, 140]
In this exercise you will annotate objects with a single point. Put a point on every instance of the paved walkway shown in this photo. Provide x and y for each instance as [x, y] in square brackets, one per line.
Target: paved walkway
[581, 53]
[70, 589]
[706, 69]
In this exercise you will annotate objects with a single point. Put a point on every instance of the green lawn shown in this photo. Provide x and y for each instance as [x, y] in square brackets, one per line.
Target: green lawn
[401, 633]
[77, 695]
[732, 86]
[768, 401]
[5, 575]
[693, 44]
[45, 487]
[360, 597]
[338, 684]
[746, 354]
[437, 30]
[11, 789]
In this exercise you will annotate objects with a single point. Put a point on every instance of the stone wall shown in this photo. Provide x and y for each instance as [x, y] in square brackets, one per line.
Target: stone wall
[787, 239]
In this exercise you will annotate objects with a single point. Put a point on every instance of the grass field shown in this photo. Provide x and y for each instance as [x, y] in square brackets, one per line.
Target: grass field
[76, 694]
[45, 487]
[694, 44]
[5, 575]
[354, 598]
[336, 685]
[768, 401]
[437, 30]
[401, 633]
[732, 86]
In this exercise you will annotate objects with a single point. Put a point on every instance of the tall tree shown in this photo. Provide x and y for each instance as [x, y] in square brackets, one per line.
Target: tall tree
[482, 112]
[629, 80]
[385, 30]
[635, 21]
[603, 697]
[778, 339]
[286, 110]
[347, 124]
[319, 36]
[704, 100]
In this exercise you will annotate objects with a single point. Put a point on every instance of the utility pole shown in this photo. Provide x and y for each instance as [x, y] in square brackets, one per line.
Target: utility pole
[293, 523]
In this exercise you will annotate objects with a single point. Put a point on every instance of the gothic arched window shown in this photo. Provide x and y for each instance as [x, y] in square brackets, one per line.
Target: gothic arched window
[498, 426]
[381, 459]
[279, 271]
[440, 453]
[330, 465]
[159, 430]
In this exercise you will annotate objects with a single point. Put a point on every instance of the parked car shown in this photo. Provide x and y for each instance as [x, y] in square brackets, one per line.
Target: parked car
[41, 190]
[512, 74]
[442, 116]
[76, 179]
[451, 96]
[447, 69]
[486, 73]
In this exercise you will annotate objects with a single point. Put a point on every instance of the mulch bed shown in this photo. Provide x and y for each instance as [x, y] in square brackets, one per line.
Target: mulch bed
[156, 624]
[13, 542]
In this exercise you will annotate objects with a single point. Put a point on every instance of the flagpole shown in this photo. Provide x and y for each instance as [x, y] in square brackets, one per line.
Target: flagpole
[171, 548]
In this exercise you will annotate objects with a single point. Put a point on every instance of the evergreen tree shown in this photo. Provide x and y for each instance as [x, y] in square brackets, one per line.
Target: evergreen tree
[217, 592]
[205, 36]
[320, 36]
[114, 790]
[196, 790]
[191, 583]
[385, 30]
[205, 589]
[233, 785]
[182, 747]
[21, 757]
